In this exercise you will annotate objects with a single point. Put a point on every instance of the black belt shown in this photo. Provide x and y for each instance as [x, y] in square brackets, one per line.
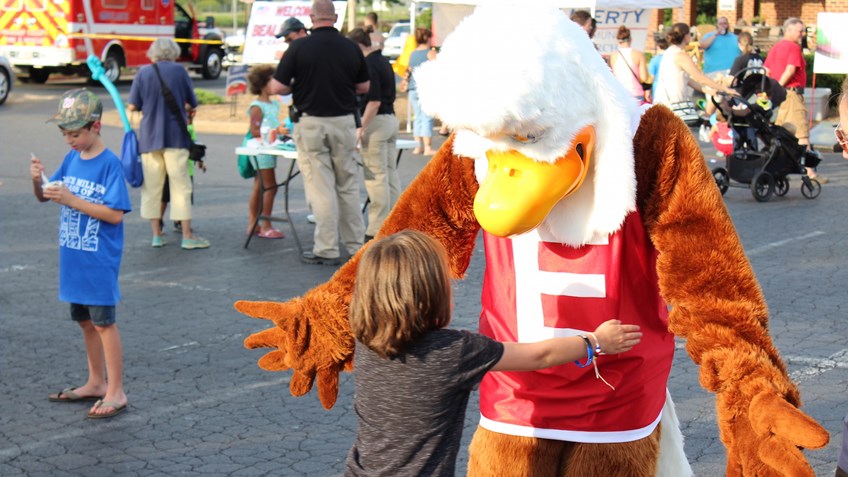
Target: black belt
[316, 116]
[796, 89]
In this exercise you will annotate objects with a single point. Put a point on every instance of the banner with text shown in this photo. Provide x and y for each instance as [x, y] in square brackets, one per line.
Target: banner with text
[637, 20]
[266, 19]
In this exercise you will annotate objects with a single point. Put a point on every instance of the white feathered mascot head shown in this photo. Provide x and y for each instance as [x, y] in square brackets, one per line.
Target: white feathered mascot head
[522, 84]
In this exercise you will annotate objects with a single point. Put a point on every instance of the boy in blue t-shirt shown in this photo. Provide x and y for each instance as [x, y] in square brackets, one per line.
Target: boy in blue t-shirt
[91, 189]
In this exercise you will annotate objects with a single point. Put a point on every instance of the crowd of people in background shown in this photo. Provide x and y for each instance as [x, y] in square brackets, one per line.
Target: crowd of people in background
[678, 74]
[728, 59]
[349, 96]
[343, 99]
[670, 77]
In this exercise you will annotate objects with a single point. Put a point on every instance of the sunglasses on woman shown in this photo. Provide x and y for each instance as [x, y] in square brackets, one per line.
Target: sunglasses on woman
[841, 137]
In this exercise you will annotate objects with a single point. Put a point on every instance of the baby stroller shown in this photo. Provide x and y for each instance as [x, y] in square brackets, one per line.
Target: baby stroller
[763, 154]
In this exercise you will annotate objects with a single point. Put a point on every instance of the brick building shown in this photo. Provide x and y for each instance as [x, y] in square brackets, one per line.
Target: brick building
[771, 12]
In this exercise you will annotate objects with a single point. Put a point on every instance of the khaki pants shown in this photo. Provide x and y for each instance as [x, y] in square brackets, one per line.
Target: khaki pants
[792, 115]
[379, 155]
[155, 165]
[325, 147]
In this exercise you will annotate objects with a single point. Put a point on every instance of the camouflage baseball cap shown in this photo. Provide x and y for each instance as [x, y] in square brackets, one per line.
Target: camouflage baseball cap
[77, 108]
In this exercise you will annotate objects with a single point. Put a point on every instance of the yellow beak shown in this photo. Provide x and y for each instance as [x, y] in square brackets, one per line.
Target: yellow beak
[518, 192]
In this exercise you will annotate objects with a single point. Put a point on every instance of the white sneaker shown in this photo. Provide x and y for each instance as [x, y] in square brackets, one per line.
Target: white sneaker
[310, 218]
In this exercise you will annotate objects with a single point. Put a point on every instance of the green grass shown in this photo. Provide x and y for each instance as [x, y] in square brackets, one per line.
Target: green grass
[207, 97]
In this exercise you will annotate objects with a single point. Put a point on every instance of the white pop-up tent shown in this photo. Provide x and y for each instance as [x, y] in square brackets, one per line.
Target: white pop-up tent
[610, 14]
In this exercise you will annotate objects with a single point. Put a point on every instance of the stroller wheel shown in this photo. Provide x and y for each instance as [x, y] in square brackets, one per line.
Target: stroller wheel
[722, 180]
[762, 186]
[810, 188]
[781, 186]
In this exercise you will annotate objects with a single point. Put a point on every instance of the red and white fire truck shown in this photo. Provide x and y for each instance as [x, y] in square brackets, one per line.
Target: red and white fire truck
[40, 37]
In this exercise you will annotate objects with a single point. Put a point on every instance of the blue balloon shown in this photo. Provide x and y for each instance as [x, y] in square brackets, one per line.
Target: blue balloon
[99, 74]
[130, 160]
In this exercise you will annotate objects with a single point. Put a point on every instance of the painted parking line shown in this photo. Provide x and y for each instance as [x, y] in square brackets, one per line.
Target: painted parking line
[781, 243]
[813, 367]
[808, 367]
[17, 268]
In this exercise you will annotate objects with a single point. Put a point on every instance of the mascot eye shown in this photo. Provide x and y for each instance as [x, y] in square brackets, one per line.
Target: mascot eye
[528, 138]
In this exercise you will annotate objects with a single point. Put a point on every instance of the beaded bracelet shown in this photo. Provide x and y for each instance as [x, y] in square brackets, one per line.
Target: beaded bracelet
[589, 353]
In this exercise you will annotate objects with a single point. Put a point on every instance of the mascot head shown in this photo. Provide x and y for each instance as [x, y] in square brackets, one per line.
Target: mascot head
[535, 105]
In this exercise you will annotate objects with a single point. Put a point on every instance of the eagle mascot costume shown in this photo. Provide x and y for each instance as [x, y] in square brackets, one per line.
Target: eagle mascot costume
[590, 209]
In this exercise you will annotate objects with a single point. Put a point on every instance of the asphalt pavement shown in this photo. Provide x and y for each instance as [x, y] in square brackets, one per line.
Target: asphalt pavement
[199, 405]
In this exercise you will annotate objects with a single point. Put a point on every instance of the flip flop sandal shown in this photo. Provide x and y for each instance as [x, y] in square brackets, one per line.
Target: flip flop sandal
[271, 234]
[68, 395]
[116, 409]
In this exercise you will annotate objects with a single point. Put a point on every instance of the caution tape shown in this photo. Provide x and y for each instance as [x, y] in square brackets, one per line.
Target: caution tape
[141, 38]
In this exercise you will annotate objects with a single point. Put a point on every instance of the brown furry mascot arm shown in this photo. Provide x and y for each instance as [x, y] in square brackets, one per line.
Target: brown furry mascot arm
[311, 333]
[717, 304]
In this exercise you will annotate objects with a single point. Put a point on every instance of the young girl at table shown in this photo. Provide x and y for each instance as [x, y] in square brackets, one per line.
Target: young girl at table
[264, 115]
[414, 375]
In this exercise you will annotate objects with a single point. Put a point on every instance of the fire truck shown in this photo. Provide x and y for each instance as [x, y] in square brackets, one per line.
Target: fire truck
[40, 37]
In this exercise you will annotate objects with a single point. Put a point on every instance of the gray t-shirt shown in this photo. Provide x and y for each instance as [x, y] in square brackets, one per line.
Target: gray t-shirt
[411, 409]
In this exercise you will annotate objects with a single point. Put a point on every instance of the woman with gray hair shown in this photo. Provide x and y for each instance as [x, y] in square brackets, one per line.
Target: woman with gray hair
[163, 141]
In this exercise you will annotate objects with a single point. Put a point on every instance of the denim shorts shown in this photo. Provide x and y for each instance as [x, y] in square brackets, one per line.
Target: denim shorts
[99, 315]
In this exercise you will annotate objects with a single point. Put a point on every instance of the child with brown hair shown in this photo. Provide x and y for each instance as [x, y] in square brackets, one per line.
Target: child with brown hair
[414, 375]
[264, 115]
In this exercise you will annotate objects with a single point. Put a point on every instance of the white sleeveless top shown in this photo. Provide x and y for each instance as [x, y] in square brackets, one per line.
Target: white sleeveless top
[673, 84]
[625, 72]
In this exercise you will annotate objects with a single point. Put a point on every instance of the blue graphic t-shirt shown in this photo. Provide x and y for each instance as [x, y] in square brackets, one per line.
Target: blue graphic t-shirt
[90, 249]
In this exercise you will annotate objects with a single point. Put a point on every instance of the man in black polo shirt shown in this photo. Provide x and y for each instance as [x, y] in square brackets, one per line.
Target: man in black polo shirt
[379, 131]
[324, 72]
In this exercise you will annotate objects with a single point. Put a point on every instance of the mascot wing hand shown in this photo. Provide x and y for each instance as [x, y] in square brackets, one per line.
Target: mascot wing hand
[763, 434]
[311, 337]
[718, 306]
[757, 405]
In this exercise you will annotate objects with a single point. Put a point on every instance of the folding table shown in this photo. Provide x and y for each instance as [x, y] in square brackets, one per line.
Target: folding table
[401, 144]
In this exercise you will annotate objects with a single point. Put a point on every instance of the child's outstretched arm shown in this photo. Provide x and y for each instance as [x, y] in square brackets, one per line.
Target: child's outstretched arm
[612, 337]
